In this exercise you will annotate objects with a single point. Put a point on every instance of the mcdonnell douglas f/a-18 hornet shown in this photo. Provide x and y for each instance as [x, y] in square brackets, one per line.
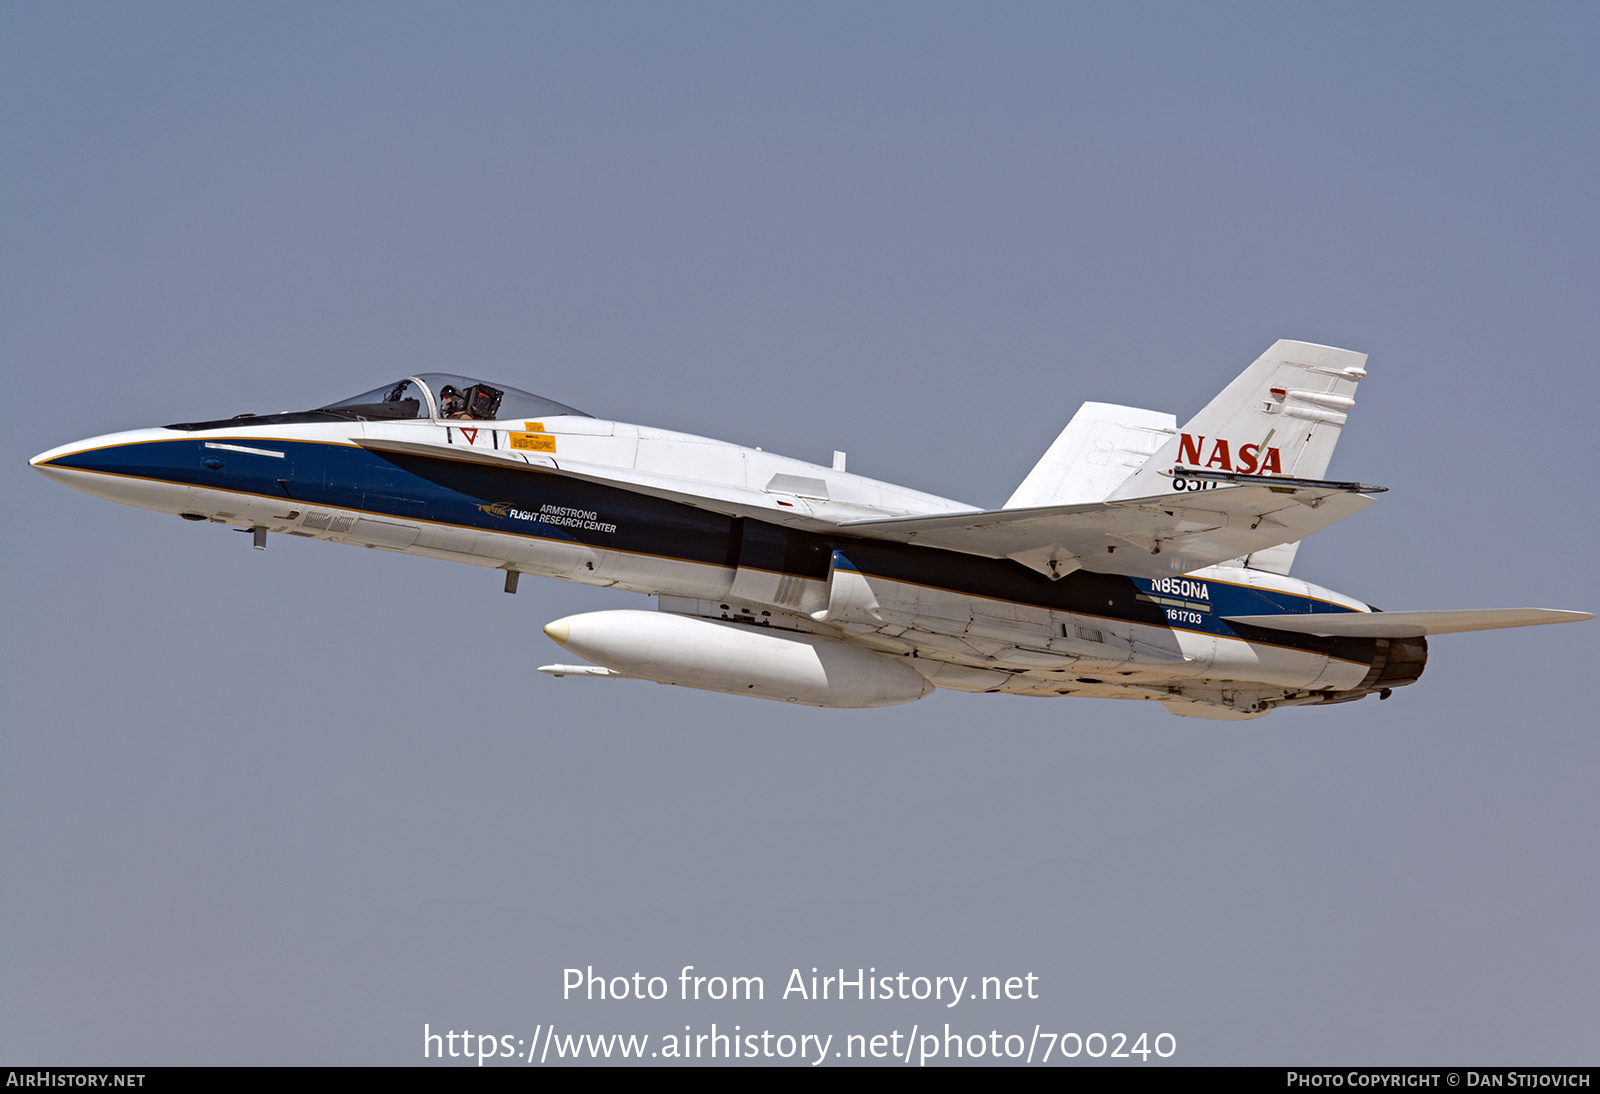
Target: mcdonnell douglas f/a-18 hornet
[1137, 560]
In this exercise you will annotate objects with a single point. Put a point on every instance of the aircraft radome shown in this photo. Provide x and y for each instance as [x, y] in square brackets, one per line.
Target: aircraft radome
[1137, 560]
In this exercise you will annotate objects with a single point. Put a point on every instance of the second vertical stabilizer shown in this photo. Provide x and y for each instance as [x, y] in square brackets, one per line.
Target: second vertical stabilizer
[1101, 446]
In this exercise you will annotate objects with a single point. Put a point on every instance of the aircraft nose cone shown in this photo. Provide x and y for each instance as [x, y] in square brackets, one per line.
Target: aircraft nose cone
[558, 631]
[45, 464]
[130, 467]
[42, 460]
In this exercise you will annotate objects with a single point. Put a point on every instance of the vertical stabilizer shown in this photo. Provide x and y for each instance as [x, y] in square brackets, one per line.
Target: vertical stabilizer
[1101, 446]
[1274, 560]
[1280, 416]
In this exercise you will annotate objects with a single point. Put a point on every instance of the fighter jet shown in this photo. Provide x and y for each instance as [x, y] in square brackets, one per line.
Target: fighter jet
[1137, 560]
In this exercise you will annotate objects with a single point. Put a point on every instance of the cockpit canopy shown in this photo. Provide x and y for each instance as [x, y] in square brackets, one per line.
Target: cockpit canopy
[441, 396]
[444, 395]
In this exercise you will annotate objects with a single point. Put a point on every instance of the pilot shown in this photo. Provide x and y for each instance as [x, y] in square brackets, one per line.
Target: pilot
[452, 404]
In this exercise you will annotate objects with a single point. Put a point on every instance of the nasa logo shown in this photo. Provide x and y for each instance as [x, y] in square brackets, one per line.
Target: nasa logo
[1251, 461]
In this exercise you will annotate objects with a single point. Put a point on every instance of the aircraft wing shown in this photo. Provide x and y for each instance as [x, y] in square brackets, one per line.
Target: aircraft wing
[1156, 536]
[1410, 624]
[1141, 537]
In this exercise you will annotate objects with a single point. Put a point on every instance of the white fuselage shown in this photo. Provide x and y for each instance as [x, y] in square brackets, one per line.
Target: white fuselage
[961, 638]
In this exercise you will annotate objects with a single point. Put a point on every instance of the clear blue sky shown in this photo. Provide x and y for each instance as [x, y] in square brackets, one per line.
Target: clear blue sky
[254, 808]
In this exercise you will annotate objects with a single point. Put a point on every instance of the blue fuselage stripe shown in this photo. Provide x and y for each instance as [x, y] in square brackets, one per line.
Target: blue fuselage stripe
[525, 502]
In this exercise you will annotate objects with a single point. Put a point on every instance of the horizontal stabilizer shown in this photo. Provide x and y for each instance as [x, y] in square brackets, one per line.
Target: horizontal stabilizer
[1410, 624]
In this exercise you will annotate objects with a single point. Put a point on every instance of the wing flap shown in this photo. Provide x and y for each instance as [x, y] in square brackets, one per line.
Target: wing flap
[1410, 624]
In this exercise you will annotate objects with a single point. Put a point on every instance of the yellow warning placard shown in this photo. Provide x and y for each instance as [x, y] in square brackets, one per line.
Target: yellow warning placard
[533, 442]
[533, 427]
